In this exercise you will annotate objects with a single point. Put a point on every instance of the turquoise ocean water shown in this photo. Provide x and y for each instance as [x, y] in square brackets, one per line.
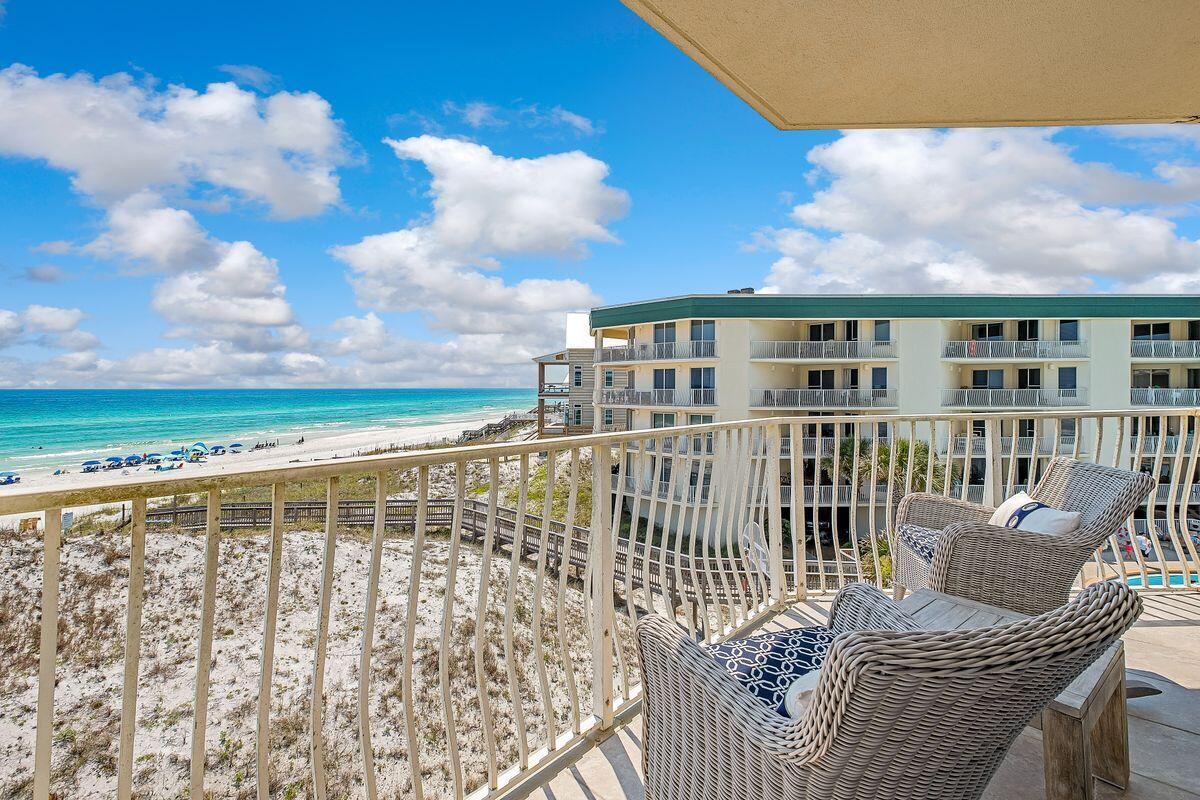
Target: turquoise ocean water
[51, 428]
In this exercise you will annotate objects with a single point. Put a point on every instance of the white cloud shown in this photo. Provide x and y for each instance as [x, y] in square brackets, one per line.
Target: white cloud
[486, 207]
[142, 228]
[57, 247]
[580, 123]
[46, 273]
[976, 211]
[251, 75]
[477, 114]
[50, 327]
[119, 137]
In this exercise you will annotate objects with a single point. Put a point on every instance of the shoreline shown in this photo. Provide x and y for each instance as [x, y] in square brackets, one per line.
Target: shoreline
[321, 445]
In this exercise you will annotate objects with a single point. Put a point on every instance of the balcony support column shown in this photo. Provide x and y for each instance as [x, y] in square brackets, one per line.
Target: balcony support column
[602, 554]
[993, 489]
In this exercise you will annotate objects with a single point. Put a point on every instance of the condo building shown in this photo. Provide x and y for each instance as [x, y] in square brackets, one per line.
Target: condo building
[715, 358]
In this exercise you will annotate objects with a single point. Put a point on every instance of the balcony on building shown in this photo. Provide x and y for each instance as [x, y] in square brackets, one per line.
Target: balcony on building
[985, 397]
[674, 398]
[1163, 340]
[1015, 340]
[822, 398]
[822, 340]
[686, 340]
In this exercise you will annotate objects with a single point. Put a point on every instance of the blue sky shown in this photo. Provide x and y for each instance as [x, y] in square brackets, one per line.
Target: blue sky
[158, 230]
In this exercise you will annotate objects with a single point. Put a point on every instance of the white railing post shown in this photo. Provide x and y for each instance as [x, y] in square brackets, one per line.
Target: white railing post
[992, 483]
[47, 653]
[602, 553]
[775, 518]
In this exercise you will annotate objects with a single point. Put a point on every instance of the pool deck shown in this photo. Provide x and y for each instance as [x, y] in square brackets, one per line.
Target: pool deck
[1162, 649]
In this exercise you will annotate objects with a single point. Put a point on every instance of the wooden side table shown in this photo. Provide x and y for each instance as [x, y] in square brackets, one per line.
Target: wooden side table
[1085, 730]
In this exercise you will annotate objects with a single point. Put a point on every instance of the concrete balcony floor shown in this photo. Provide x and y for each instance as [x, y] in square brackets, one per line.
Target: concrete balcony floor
[1163, 649]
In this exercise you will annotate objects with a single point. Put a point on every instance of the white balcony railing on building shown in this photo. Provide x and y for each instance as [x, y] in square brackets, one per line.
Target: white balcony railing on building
[423, 623]
[822, 351]
[1164, 348]
[822, 398]
[554, 389]
[1170, 444]
[1051, 349]
[1174, 398]
[658, 397]
[1024, 445]
[1013, 398]
[659, 351]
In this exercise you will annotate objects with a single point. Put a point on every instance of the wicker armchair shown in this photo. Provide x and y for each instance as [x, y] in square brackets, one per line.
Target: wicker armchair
[895, 714]
[1028, 572]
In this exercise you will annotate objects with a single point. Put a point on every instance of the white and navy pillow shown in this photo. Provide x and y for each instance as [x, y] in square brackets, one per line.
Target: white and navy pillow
[771, 664]
[1021, 512]
[922, 541]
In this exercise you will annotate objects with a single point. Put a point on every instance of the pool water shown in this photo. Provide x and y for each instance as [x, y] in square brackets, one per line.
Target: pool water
[1157, 580]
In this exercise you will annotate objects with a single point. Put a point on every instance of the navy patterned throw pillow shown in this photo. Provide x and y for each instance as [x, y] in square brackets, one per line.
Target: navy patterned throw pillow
[922, 541]
[768, 664]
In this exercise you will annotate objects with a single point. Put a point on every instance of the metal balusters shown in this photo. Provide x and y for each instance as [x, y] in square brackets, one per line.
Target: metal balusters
[410, 632]
[267, 657]
[854, 487]
[317, 708]
[564, 569]
[133, 641]
[818, 470]
[796, 511]
[510, 658]
[836, 477]
[212, 545]
[872, 498]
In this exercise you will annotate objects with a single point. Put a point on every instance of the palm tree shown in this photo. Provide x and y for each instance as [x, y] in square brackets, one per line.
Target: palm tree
[885, 462]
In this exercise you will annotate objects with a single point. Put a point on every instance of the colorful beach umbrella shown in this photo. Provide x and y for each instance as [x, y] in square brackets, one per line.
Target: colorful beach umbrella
[115, 459]
[90, 464]
[8, 474]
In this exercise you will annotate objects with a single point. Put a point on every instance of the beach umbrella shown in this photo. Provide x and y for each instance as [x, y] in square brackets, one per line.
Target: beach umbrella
[236, 444]
[153, 455]
[115, 459]
[90, 464]
[176, 452]
[8, 474]
[199, 446]
[133, 459]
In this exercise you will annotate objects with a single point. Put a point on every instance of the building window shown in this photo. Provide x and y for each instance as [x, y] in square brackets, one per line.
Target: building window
[851, 326]
[577, 413]
[821, 332]
[1194, 329]
[1068, 378]
[879, 377]
[1066, 429]
[1193, 378]
[820, 379]
[664, 332]
[883, 330]
[661, 420]
[608, 379]
[704, 378]
[608, 417]
[987, 331]
[664, 379]
[1152, 331]
[1151, 379]
[1068, 330]
[1029, 378]
[987, 379]
[1027, 330]
[704, 330]
[577, 376]
[850, 378]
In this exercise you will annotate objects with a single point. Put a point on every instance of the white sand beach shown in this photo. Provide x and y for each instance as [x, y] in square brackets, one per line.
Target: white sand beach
[318, 445]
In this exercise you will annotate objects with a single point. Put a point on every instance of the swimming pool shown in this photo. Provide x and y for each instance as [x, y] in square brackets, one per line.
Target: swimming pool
[1157, 580]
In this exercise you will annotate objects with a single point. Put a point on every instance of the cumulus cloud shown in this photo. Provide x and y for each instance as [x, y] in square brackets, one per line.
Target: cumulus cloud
[118, 137]
[46, 326]
[977, 210]
[486, 207]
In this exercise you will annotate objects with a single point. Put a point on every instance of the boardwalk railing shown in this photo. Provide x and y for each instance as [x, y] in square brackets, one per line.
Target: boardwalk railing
[532, 561]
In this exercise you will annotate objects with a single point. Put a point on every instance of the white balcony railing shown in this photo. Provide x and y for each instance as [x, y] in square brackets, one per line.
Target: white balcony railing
[1013, 398]
[1173, 398]
[659, 351]
[658, 397]
[1050, 349]
[554, 389]
[1164, 348]
[1170, 444]
[822, 351]
[1024, 445]
[822, 398]
[418, 619]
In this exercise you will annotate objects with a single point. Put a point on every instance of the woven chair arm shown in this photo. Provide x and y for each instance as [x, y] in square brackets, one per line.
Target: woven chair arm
[683, 682]
[935, 511]
[862, 607]
[1020, 570]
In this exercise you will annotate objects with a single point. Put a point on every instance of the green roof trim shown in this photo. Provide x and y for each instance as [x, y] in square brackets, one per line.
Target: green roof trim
[897, 306]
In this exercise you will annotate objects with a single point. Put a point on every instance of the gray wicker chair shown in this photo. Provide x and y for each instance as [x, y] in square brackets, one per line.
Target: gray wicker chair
[895, 714]
[1023, 571]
